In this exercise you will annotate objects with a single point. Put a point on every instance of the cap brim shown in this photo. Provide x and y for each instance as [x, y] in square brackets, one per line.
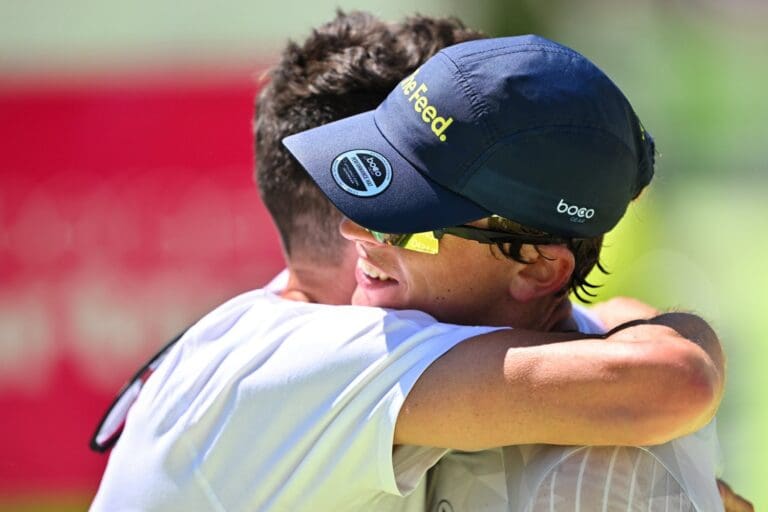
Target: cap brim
[407, 203]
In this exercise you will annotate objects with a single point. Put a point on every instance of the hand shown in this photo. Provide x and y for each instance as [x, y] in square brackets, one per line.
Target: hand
[620, 310]
[732, 501]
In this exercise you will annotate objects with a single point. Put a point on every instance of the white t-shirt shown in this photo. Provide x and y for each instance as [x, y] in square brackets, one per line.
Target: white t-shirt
[679, 475]
[271, 404]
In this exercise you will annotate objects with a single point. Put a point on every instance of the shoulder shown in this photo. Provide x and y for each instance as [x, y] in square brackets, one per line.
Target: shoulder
[260, 317]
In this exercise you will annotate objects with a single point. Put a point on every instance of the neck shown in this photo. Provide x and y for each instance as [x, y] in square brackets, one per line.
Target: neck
[315, 282]
[544, 314]
[562, 320]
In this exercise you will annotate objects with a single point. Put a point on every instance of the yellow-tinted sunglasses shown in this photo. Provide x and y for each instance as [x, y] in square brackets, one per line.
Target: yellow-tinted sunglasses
[428, 241]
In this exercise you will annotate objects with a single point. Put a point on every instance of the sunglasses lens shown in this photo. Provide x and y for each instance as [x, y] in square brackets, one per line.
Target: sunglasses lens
[398, 240]
[420, 242]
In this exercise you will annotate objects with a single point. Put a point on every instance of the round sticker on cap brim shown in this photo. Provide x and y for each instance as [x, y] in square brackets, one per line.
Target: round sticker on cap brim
[362, 172]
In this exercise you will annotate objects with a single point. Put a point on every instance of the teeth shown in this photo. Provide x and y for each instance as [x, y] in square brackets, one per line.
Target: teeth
[371, 271]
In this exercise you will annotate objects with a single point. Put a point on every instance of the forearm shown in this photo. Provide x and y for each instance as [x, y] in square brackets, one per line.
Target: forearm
[644, 386]
[618, 310]
[641, 385]
[656, 380]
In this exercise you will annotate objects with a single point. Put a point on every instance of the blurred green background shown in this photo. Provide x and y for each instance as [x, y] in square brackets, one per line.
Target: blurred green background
[696, 72]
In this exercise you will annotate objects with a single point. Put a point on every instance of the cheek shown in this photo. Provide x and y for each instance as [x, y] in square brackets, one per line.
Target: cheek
[443, 281]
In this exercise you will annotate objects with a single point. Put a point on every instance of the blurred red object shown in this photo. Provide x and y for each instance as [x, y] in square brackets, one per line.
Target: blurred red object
[127, 210]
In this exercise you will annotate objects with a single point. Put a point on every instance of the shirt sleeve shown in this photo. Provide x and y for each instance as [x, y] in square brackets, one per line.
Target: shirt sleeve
[586, 320]
[404, 466]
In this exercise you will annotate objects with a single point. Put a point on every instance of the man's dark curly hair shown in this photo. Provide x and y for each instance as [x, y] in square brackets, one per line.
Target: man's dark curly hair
[344, 67]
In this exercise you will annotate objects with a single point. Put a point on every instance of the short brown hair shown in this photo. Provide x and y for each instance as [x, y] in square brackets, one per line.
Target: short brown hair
[345, 67]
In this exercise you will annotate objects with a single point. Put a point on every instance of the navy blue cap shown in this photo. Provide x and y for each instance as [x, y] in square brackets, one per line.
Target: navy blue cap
[520, 127]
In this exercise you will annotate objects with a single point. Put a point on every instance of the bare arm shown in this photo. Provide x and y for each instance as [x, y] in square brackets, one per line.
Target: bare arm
[644, 384]
[618, 310]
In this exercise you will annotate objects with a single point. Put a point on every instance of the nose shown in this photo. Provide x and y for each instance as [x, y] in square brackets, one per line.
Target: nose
[355, 232]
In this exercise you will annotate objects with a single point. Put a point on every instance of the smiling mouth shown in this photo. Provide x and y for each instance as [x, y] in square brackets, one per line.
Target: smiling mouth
[371, 271]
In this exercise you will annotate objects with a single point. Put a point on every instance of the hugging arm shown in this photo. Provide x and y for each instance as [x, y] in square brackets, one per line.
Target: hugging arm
[644, 384]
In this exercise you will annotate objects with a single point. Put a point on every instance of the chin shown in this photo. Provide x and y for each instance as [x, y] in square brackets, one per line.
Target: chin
[359, 298]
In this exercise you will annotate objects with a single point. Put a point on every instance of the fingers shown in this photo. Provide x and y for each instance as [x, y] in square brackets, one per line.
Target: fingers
[732, 501]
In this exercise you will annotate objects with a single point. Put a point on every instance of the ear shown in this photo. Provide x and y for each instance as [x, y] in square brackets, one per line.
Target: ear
[549, 270]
